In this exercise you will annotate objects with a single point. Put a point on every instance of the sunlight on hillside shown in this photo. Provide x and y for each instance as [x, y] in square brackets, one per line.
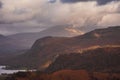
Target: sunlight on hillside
[46, 64]
[97, 35]
[73, 30]
[95, 47]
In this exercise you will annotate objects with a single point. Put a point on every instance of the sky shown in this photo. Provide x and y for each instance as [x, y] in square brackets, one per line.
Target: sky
[18, 16]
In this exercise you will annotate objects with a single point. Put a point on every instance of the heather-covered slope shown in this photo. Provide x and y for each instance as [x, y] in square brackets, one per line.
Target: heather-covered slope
[98, 59]
[64, 75]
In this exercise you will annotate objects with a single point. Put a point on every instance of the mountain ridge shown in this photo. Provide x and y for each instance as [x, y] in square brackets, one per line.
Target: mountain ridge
[27, 39]
[45, 49]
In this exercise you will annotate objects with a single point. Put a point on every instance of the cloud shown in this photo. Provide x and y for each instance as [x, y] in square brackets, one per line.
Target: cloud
[100, 2]
[74, 1]
[30, 16]
[106, 20]
[52, 1]
[103, 2]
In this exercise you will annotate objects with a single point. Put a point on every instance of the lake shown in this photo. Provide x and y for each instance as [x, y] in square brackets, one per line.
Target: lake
[3, 71]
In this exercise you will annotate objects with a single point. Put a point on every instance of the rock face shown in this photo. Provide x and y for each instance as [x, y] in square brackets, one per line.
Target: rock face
[46, 49]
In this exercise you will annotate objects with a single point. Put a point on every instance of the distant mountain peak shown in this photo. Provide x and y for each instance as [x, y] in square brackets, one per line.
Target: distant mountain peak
[2, 36]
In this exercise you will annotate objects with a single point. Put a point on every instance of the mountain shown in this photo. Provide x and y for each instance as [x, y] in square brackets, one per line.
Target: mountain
[19, 43]
[27, 39]
[23, 41]
[99, 59]
[8, 45]
[2, 36]
[9, 48]
[46, 49]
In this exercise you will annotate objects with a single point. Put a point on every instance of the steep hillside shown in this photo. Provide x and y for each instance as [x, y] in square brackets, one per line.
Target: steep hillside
[98, 59]
[46, 49]
[20, 43]
[32, 59]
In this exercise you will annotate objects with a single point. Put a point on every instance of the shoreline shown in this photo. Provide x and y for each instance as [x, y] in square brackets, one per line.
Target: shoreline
[8, 71]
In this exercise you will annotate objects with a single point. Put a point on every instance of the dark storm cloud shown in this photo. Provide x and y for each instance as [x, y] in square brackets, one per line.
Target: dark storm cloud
[100, 2]
[74, 1]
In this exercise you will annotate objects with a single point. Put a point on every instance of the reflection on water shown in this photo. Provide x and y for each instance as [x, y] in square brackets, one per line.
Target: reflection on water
[3, 71]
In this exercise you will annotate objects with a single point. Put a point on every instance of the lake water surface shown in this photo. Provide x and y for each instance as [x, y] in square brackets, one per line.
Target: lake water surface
[3, 71]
